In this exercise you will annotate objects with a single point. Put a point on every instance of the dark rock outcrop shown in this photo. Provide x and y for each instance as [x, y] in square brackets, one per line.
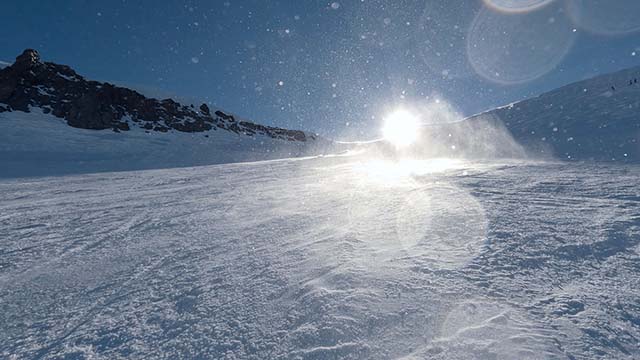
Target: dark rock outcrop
[86, 104]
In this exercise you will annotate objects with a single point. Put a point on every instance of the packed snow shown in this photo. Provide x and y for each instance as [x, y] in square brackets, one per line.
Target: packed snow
[324, 258]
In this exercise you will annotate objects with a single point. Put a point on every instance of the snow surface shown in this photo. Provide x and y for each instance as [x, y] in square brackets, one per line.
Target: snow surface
[37, 144]
[324, 258]
[594, 119]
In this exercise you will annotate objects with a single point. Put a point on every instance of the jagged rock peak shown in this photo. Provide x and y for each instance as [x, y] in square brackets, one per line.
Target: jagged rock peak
[205, 109]
[58, 90]
[27, 59]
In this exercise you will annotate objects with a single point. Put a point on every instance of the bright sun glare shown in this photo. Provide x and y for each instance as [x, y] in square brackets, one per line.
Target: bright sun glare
[401, 128]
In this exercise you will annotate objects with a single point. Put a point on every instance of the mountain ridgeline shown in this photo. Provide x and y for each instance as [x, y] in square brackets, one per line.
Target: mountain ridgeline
[60, 91]
[591, 120]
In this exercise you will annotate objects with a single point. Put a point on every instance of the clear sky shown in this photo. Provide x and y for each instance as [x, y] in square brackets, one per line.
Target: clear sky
[335, 67]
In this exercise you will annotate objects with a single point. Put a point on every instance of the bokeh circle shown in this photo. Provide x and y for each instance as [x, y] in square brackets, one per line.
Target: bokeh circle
[606, 17]
[516, 6]
[519, 47]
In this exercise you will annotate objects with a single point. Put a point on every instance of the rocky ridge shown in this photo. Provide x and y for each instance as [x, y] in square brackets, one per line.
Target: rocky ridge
[87, 104]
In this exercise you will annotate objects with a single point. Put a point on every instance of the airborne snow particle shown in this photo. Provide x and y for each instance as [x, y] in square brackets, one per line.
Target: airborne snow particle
[335, 5]
[280, 83]
[195, 60]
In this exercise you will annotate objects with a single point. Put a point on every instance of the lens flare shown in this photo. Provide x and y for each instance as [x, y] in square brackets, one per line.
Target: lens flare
[520, 47]
[606, 17]
[516, 6]
[401, 128]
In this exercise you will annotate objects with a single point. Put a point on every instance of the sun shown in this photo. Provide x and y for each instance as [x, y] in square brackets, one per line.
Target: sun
[401, 128]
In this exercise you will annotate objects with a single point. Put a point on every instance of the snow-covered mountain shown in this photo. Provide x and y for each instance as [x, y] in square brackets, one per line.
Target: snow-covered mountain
[594, 119]
[54, 121]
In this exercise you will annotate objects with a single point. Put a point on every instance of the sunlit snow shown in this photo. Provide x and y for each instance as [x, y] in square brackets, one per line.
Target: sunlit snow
[323, 258]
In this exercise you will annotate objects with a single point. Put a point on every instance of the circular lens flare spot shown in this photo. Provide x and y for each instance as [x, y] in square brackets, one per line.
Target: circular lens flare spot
[521, 47]
[516, 6]
[401, 128]
[606, 17]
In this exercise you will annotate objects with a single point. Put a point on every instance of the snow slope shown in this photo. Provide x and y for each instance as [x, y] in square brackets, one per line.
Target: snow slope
[37, 144]
[324, 258]
[594, 119]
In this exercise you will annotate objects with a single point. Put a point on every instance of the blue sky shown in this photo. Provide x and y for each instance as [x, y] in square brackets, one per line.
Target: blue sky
[335, 67]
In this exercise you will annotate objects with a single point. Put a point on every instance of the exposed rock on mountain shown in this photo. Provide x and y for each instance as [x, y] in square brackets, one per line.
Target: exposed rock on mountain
[86, 104]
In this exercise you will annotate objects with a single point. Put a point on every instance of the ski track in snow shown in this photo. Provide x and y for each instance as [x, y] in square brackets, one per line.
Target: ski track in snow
[323, 258]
